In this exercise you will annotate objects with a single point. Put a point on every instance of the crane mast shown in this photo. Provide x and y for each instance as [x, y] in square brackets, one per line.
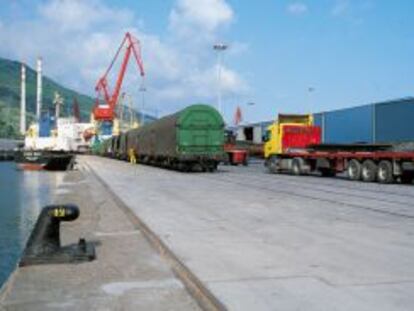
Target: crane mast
[104, 110]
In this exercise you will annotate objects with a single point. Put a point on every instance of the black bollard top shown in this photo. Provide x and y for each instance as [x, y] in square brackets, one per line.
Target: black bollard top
[44, 247]
[67, 212]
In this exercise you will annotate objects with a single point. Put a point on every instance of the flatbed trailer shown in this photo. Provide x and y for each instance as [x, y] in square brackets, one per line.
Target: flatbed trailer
[378, 164]
[293, 145]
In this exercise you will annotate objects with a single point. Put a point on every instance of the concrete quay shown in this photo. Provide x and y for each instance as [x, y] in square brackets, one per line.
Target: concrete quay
[128, 274]
[237, 239]
[276, 242]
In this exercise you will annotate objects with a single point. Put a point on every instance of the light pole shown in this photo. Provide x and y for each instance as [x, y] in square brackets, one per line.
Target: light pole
[219, 48]
[311, 90]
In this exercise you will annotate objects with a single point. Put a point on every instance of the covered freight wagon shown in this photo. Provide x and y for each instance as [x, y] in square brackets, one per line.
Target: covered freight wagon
[191, 137]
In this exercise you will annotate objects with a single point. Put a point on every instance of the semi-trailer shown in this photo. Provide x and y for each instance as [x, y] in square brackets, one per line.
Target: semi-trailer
[293, 145]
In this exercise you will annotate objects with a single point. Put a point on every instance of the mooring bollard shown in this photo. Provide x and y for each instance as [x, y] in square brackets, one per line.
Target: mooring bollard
[43, 246]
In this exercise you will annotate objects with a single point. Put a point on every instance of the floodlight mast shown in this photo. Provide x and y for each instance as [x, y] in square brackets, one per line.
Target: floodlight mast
[219, 48]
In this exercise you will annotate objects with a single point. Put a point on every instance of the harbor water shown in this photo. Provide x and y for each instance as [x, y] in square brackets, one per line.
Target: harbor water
[22, 194]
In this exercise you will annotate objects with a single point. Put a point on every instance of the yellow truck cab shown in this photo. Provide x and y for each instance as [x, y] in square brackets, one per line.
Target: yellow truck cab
[275, 132]
[289, 132]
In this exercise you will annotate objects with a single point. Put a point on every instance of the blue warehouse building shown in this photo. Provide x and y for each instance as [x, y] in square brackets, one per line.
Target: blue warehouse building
[384, 122]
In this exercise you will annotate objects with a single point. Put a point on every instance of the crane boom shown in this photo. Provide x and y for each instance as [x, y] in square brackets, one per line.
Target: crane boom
[106, 112]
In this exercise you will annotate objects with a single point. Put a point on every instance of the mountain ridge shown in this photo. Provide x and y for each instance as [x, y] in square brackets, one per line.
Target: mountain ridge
[10, 75]
[10, 80]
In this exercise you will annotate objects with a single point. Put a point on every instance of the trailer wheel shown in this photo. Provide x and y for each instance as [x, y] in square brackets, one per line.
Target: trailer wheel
[297, 166]
[354, 170]
[385, 173]
[369, 171]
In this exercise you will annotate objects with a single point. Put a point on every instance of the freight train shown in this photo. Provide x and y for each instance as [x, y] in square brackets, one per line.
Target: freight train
[191, 139]
[293, 144]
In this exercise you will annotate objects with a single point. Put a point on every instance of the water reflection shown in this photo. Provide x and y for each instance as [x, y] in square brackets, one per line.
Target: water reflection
[22, 195]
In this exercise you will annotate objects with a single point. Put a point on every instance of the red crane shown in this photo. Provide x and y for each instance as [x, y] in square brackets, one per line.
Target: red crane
[238, 117]
[106, 111]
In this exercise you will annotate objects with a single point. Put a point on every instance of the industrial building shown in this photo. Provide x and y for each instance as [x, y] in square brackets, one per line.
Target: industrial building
[252, 132]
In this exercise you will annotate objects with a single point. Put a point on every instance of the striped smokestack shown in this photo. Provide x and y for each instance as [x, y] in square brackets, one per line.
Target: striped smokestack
[23, 101]
[39, 88]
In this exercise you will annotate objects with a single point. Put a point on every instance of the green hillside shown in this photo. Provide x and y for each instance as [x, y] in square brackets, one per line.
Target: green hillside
[10, 97]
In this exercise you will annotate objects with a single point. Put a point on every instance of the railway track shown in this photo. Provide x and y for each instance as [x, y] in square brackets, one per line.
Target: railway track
[267, 185]
[314, 182]
[311, 188]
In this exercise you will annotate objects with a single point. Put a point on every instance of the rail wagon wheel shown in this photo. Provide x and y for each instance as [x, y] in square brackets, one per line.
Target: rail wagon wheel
[187, 167]
[174, 165]
[215, 165]
[354, 170]
[369, 171]
[211, 167]
[197, 167]
[385, 172]
[297, 166]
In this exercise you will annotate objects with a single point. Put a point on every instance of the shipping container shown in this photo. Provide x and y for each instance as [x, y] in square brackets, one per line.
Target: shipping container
[384, 122]
[394, 121]
[106, 128]
[46, 124]
[349, 125]
[318, 119]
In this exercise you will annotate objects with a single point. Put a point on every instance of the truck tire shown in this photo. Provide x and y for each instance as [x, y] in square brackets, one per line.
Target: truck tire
[354, 170]
[385, 172]
[369, 171]
[297, 166]
[273, 164]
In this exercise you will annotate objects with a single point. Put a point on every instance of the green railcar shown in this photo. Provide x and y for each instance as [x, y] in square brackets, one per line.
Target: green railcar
[190, 138]
[121, 147]
[96, 148]
[106, 147]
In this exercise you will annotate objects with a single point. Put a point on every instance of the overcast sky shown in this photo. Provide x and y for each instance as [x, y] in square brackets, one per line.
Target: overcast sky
[284, 56]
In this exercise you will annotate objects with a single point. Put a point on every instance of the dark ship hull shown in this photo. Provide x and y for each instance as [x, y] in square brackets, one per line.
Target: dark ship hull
[35, 160]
